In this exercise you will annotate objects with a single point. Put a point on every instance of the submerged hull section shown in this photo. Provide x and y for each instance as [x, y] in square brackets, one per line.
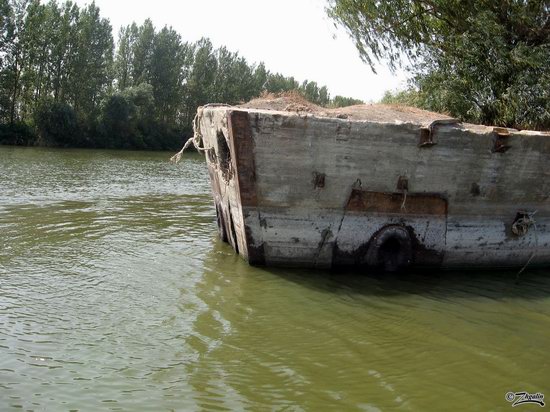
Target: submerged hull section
[299, 189]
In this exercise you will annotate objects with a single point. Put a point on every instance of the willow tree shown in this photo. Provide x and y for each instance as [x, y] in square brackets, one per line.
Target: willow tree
[480, 60]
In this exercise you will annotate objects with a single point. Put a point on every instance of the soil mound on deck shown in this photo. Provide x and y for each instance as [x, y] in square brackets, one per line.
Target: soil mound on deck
[285, 102]
[295, 102]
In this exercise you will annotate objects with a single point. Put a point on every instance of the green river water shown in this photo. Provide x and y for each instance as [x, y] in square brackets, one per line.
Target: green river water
[116, 294]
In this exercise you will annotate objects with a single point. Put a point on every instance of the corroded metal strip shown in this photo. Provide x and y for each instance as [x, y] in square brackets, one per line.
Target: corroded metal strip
[396, 203]
[427, 133]
[242, 148]
[499, 142]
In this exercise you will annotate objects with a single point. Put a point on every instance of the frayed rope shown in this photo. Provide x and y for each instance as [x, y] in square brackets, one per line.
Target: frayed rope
[196, 140]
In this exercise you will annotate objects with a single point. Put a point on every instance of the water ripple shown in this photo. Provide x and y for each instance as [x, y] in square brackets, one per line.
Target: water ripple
[116, 294]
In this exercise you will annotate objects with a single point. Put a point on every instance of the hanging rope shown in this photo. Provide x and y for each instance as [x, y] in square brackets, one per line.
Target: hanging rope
[403, 205]
[196, 140]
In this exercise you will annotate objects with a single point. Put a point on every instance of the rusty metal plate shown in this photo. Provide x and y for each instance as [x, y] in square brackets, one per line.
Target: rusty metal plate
[396, 203]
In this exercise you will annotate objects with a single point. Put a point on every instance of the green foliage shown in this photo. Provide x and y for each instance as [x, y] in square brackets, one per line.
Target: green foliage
[142, 48]
[199, 85]
[277, 83]
[166, 75]
[259, 79]
[409, 97]
[341, 101]
[314, 94]
[5, 29]
[57, 125]
[481, 61]
[17, 134]
[61, 75]
[118, 118]
[128, 122]
[234, 81]
[91, 68]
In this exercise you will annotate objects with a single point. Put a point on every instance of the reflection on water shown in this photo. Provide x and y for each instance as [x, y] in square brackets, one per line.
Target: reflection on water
[115, 294]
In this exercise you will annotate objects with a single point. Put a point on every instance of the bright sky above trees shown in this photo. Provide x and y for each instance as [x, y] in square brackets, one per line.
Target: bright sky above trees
[293, 37]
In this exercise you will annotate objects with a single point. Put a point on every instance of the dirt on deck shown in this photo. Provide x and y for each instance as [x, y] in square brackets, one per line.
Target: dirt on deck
[294, 102]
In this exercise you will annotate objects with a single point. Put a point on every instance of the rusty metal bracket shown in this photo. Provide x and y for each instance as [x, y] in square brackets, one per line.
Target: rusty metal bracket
[427, 132]
[499, 142]
[426, 138]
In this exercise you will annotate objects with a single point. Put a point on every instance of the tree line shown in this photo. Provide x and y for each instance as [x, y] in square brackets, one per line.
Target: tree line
[64, 81]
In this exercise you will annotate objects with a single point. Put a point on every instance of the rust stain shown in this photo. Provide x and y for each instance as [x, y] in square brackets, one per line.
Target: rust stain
[223, 157]
[211, 154]
[244, 163]
[390, 203]
[499, 142]
[367, 203]
[403, 184]
[319, 180]
[426, 137]
[500, 146]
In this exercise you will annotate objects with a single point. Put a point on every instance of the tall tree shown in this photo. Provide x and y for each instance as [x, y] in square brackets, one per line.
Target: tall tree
[199, 89]
[123, 64]
[260, 79]
[484, 61]
[15, 56]
[91, 68]
[234, 81]
[166, 73]
[35, 44]
[324, 96]
[5, 12]
[142, 51]
[64, 47]
[6, 36]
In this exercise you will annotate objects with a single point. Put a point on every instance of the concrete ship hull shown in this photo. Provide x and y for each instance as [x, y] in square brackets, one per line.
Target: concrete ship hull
[301, 189]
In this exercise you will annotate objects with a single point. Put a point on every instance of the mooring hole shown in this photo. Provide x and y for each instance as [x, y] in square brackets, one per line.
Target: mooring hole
[390, 249]
[224, 154]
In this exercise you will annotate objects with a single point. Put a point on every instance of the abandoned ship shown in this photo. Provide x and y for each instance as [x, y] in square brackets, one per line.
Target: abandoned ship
[385, 187]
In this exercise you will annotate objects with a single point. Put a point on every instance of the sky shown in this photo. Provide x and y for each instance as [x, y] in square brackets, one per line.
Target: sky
[292, 37]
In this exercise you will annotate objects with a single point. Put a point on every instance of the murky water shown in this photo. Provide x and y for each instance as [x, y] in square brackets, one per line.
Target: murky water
[115, 294]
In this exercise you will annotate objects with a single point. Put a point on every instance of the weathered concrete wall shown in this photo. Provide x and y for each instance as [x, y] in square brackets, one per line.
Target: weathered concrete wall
[310, 191]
